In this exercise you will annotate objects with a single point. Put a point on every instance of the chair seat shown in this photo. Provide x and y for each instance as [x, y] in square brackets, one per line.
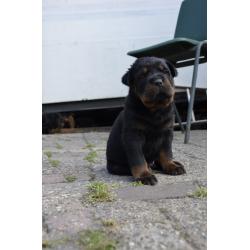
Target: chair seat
[177, 49]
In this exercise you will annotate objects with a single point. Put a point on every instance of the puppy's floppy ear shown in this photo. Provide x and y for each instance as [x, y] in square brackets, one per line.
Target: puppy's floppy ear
[126, 79]
[172, 68]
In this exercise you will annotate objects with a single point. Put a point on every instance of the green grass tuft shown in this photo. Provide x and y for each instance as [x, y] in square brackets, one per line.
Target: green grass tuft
[88, 146]
[54, 163]
[91, 156]
[58, 146]
[99, 192]
[55, 243]
[46, 244]
[137, 183]
[109, 223]
[95, 240]
[115, 185]
[48, 154]
[201, 192]
[70, 178]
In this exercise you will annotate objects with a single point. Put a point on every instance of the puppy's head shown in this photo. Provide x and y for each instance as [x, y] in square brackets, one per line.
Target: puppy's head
[151, 79]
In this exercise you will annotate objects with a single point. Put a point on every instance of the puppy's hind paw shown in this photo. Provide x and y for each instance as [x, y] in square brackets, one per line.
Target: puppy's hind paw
[175, 168]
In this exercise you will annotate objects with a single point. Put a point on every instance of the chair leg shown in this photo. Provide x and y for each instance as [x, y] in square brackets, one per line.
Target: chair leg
[178, 118]
[188, 98]
[192, 95]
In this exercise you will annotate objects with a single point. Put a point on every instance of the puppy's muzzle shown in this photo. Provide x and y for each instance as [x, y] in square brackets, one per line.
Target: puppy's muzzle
[163, 97]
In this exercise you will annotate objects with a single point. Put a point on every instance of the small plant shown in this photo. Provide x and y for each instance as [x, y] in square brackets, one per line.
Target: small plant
[115, 185]
[55, 243]
[46, 244]
[91, 156]
[88, 146]
[99, 192]
[201, 192]
[54, 163]
[48, 154]
[58, 146]
[109, 223]
[70, 178]
[137, 184]
[96, 240]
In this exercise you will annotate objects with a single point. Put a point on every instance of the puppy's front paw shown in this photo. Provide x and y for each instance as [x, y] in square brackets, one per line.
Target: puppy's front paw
[174, 168]
[147, 180]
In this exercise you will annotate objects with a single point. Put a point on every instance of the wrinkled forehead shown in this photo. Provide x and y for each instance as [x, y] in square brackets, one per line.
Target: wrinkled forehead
[148, 62]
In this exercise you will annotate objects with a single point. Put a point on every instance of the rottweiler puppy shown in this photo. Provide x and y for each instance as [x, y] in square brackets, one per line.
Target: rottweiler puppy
[142, 134]
[54, 122]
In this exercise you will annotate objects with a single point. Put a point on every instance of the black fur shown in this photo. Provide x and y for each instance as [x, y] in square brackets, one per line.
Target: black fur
[145, 127]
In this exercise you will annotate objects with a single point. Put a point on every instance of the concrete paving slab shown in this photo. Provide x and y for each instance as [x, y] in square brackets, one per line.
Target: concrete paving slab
[188, 216]
[141, 225]
[157, 192]
[158, 217]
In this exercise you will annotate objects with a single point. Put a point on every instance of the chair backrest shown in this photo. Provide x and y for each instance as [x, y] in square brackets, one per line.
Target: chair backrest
[192, 20]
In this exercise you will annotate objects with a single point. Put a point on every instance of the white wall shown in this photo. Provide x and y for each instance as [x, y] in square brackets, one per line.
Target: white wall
[85, 44]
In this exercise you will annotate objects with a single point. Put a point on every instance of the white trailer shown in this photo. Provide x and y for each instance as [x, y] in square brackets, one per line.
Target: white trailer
[85, 45]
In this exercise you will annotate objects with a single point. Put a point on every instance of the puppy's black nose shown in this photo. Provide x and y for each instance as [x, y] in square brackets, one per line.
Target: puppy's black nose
[158, 82]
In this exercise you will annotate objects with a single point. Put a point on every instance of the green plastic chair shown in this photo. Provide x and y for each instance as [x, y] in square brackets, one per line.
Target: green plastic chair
[189, 46]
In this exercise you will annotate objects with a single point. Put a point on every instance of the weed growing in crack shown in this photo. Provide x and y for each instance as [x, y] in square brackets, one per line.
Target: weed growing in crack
[99, 192]
[48, 154]
[137, 184]
[55, 243]
[201, 193]
[96, 240]
[54, 163]
[70, 178]
[91, 157]
[59, 146]
[109, 223]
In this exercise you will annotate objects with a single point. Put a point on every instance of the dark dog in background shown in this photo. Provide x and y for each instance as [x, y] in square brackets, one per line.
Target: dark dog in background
[141, 137]
[54, 122]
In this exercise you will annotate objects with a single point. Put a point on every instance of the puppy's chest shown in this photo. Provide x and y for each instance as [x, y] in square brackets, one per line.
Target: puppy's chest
[159, 122]
[155, 132]
[152, 144]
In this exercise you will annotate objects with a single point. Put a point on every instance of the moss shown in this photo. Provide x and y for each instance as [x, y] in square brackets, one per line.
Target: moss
[70, 178]
[58, 146]
[201, 192]
[137, 184]
[115, 185]
[46, 244]
[95, 240]
[54, 163]
[101, 149]
[48, 154]
[91, 156]
[55, 243]
[109, 223]
[99, 192]
[88, 146]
